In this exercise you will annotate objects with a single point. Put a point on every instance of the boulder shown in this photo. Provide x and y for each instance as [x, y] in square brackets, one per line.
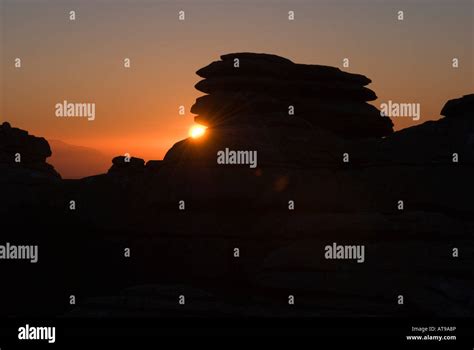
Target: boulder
[126, 165]
[23, 155]
[459, 107]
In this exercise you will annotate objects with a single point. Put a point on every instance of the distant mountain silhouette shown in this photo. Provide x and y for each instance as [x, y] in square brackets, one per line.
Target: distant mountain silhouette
[75, 162]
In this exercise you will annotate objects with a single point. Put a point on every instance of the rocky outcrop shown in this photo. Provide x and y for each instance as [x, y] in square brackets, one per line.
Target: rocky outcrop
[122, 165]
[460, 107]
[23, 156]
[447, 141]
[130, 167]
[256, 89]
[152, 166]
[183, 218]
[292, 115]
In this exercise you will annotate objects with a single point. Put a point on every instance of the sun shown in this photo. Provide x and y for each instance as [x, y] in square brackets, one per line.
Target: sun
[196, 131]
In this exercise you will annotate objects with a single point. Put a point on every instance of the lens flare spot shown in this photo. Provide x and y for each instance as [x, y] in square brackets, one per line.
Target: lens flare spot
[197, 131]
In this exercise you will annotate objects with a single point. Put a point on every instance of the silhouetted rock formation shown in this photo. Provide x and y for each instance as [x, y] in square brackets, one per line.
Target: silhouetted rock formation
[127, 165]
[184, 216]
[153, 165]
[250, 107]
[459, 107]
[23, 155]
[133, 166]
[434, 142]
[265, 89]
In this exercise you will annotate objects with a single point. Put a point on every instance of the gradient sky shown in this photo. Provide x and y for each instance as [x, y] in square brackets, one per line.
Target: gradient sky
[137, 108]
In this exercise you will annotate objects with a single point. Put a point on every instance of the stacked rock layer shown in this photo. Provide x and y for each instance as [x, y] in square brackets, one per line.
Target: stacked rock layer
[261, 88]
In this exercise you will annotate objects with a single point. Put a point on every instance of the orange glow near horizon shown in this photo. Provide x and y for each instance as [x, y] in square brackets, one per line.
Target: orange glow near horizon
[197, 131]
[137, 105]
